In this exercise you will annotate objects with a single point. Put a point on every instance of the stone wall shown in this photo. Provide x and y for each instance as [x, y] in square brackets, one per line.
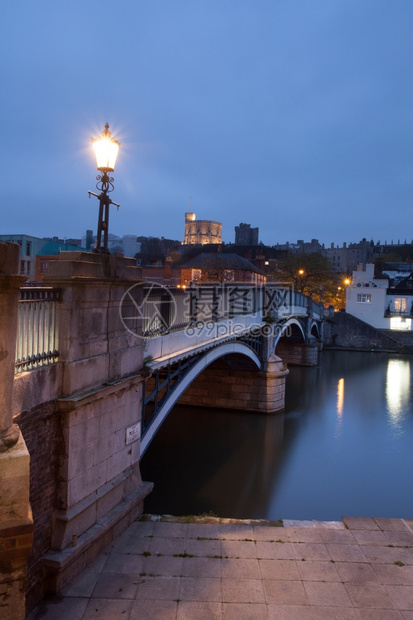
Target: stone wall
[43, 437]
[349, 332]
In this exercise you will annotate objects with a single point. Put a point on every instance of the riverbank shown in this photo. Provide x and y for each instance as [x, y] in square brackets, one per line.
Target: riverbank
[345, 332]
[169, 568]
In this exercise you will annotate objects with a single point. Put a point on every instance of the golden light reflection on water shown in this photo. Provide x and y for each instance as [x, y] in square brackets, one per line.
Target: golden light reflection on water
[340, 405]
[397, 389]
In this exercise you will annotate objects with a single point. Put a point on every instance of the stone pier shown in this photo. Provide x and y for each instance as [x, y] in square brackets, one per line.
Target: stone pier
[298, 353]
[81, 419]
[234, 384]
[16, 524]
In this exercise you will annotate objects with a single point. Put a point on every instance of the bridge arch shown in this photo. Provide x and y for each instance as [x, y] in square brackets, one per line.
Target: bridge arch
[315, 330]
[210, 356]
[290, 324]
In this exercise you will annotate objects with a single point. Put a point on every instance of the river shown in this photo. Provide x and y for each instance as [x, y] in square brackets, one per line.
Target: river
[344, 446]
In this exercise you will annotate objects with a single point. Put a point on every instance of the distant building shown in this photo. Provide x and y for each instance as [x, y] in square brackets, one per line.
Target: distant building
[375, 300]
[201, 232]
[218, 267]
[33, 247]
[128, 245]
[245, 235]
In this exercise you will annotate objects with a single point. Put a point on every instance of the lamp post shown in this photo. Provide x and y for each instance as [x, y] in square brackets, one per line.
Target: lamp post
[106, 151]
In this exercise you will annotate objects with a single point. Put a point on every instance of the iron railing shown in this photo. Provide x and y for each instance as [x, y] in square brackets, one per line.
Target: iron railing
[167, 310]
[37, 338]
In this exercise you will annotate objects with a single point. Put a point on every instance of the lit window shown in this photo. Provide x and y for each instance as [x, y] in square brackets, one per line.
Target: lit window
[196, 274]
[363, 298]
[400, 304]
[400, 323]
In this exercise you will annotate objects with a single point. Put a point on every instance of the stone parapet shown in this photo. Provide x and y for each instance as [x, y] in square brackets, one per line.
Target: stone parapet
[94, 266]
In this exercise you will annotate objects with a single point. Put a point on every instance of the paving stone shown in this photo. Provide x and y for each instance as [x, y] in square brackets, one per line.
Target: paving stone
[290, 612]
[337, 537]
[165, 566]
[82, 585]
[332, 593]
[238, 549]
[392, 574]
[318, 571]
[379, 614]
[122, 563]
[189, 610]
[203, 530]
[56, 608]
[242, 591]
[96, 566]
[370, 595]
[246, 611]
[268, 533]
[201, 567]
[159, 588]
[288, 573]
[105, 609]
[356, 572]
[399, 538]
[284, 570]
[334, 613]
[275, 551]
[346, 553]
[310, 551]
[167, 546]
[129, 544]
[237, 532]
[370, 537]
[304, 535]
[202, 548]
[243, 568]
[285, 592]
[393, 525]
[387, 555]
[200, 589]
[155, 610]
[402, 596]
[170, 530]
[116, 585]
[360, 523]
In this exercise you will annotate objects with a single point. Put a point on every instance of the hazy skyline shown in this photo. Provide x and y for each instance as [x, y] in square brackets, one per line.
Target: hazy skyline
[292, 116]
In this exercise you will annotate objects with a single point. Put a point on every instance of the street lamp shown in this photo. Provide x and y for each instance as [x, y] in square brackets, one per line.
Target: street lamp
[106, 151]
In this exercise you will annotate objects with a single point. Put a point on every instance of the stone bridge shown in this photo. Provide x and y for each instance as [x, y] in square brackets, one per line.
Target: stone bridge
[90, 366]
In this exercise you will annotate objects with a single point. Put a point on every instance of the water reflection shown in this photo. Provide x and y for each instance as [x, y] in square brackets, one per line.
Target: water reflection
[340, 405]
[397, 389]
[306, 464]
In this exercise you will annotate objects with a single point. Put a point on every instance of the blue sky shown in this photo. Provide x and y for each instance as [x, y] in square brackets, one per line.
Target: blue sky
[295, 116]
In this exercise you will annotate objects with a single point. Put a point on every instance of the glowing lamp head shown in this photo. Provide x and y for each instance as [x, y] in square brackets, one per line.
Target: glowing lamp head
[301, 272]
[106, 151]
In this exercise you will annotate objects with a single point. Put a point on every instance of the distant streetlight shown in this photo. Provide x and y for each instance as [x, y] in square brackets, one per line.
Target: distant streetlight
[347, 281]
[106, 151]
[301, 272]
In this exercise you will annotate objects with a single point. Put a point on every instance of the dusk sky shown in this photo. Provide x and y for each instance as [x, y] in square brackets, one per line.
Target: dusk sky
[295, 116]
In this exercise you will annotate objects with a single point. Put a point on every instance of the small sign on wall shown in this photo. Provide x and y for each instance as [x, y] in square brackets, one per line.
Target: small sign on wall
[133, 433]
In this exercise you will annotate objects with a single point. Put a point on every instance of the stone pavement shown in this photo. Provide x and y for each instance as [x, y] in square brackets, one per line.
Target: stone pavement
[207, 569]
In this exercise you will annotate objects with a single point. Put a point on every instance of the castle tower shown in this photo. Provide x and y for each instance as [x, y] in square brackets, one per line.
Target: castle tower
[201, 232]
